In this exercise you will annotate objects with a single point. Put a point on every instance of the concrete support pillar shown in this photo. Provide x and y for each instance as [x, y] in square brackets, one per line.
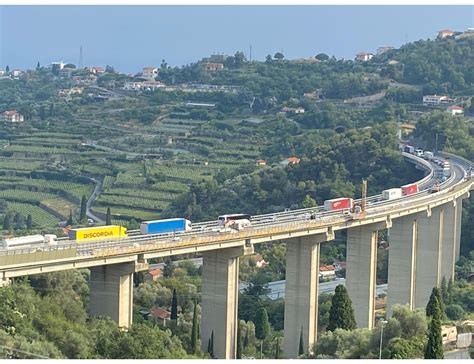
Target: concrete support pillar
[111, 291]
[220, 285]
[448, 248]
[301, 296]
[458, 228]
[403, 237]
[361, 271]
[429, 255]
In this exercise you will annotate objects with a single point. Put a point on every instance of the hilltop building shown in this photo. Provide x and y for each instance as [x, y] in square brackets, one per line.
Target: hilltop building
[150, 73]
[445, 33]
[363, 56]
[213, 66]
[12, 116]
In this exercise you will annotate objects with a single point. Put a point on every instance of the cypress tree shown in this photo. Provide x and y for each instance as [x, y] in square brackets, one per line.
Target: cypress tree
[7, 69]
[301, 345]
[174, 306]
[431, 306]
[434, 347]
[194, 331]
[277, 349]
[210, 345]
[69, 221]
[7, 222]
[108, 219]
[450, 291]
[246, 338]
[29, 222]
[82, 215]
[341, 314]
[262, 326]
[38, 65]
[444, 291]
[239, 342]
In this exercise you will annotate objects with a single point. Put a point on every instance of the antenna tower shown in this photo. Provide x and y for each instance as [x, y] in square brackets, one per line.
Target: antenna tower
[81, 61]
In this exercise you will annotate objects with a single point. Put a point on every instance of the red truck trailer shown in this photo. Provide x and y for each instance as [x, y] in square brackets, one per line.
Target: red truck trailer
[409, 189]
[338, 204]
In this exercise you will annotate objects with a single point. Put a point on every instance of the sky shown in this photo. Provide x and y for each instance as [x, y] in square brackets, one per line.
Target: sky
[133, 37]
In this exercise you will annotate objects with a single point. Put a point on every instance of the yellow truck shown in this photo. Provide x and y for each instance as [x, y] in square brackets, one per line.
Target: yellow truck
[98, 233]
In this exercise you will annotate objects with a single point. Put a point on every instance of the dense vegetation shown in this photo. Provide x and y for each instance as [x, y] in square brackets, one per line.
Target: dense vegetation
[155, 156]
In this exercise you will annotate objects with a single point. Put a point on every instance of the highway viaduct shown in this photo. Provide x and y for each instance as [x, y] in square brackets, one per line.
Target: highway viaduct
[424, 238]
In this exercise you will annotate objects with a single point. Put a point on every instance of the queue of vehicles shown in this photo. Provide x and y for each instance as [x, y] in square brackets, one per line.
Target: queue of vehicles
[229, 222]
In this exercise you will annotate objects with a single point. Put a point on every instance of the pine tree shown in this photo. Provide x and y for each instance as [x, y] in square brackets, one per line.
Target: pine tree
[301, 345]
[431, 306]
[239, 342]
[262, 326]
[108, 218]
[174, 306]
[194, 331]
[341, 314]
[69, 221]
[82, 214]
[29, 222]
[434, 347]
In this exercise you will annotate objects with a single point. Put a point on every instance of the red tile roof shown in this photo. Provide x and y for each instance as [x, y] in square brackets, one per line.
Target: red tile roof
[327, 268]
[159, 312]
[155, 272]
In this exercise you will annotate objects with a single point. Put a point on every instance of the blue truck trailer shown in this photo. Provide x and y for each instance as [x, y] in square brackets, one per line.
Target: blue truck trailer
[165, 226]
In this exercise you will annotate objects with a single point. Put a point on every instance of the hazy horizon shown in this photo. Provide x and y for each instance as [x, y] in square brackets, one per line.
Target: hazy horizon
[131, 37]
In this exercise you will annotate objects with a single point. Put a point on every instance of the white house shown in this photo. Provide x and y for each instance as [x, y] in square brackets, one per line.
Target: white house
[12, 116]
[363, 57]
[455, 110]
[150, 73]
[431, 100]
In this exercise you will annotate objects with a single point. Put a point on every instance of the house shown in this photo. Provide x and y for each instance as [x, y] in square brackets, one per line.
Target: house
[339, 266]
[56, 67]
[445, 33]
[261, 162]
[293, 160]
[16, 73]
[153, 274]
[363, 56]
[455, 110]
[213, 66]
[12, 116]
[327, 271]
[84, 80]
[150, 73]
[96, 70]
[2, 72]
[384, 49]
[432, 100]
[65, 72]
[160, 315]
[260, 262]
[296, 110]
[449, 334]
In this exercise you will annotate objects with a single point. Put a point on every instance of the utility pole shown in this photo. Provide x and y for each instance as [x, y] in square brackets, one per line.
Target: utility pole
[250, 57]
